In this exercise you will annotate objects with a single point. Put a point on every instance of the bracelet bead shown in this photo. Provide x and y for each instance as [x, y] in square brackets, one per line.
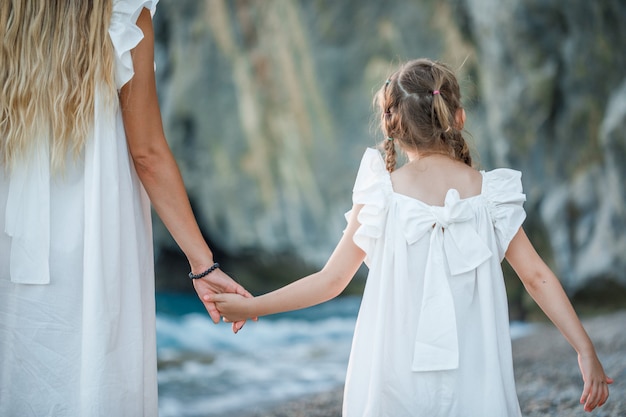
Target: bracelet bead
[205, 273]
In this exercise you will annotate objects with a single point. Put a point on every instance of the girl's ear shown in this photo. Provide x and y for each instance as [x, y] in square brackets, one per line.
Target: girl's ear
[459, 118]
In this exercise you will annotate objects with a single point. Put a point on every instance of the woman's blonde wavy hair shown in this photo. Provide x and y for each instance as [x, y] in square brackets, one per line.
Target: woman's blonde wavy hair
[53, 56]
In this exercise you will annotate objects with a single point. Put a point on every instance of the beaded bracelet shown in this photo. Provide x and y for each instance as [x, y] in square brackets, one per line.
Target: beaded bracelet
[205, 273]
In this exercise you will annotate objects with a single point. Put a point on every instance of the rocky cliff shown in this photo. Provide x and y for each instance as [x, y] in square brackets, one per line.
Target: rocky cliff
[267, 106]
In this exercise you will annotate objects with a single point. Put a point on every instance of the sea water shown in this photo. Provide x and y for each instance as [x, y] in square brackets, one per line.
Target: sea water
[205, 370]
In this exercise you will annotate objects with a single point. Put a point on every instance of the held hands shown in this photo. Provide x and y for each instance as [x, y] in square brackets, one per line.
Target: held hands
[596, 387]
[233, 307]
[215, 283]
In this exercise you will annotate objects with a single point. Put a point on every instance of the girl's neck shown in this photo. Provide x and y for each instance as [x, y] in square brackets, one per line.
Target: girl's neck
[418, 155]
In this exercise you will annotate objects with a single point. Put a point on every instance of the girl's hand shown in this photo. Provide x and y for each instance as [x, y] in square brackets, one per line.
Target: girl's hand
[596, 388]
[218, 282]
[233, 307]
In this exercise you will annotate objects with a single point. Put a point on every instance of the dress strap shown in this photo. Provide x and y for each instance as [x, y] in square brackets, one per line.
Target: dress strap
[27, 218]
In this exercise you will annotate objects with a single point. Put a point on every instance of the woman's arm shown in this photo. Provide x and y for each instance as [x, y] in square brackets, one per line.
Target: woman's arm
[305, 292]
[544, 287]
[158, 171]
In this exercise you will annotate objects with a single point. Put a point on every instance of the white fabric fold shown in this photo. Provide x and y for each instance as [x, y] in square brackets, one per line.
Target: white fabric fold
[118, 277]
[27, 218]
[504, 192]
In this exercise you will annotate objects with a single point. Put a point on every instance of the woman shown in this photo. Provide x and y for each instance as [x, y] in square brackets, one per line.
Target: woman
[82, 150]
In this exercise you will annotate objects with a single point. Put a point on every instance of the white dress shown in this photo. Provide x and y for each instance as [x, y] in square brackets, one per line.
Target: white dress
[77, 313]
[432, 336]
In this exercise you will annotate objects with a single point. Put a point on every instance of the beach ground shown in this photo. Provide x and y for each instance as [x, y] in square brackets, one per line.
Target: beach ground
[546, 371]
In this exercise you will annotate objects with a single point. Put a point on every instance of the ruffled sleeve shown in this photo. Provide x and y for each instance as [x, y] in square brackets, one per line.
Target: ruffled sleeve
[373, 190]
[503, 190]
[125, 35]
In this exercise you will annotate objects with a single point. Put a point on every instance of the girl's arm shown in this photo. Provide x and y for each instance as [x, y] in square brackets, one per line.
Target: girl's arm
[310, 290]
[158, 171]
[545, 288]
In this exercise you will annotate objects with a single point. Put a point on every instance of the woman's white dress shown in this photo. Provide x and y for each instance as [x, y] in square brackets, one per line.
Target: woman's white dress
[77, 313]
[432, 336]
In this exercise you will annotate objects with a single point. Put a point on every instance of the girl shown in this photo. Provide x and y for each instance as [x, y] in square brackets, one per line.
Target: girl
[432, 335]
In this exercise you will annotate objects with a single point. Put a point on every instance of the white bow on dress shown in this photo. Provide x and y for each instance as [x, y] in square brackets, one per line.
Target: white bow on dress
[455, 249]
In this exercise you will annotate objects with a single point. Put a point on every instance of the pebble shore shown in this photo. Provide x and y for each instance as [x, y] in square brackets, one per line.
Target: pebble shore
[546, 371]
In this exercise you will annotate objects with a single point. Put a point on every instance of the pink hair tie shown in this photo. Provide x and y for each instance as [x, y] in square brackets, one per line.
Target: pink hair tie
[435, 92]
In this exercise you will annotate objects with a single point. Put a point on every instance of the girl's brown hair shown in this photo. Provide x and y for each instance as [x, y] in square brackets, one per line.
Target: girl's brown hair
[419, 105]
[54, 55]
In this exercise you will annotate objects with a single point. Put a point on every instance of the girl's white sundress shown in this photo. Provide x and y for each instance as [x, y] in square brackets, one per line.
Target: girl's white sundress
[77, 313]
[432, 336]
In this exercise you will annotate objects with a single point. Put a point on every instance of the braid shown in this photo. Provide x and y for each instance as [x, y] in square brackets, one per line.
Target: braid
[460, 148]
[389, 124]
[390, 154]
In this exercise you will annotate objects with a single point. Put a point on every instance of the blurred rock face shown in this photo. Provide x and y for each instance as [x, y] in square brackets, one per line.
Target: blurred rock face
[268, 108]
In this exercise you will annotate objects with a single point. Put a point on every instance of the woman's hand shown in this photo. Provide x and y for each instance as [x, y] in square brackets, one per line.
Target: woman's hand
[215, 283]
[596, 388]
